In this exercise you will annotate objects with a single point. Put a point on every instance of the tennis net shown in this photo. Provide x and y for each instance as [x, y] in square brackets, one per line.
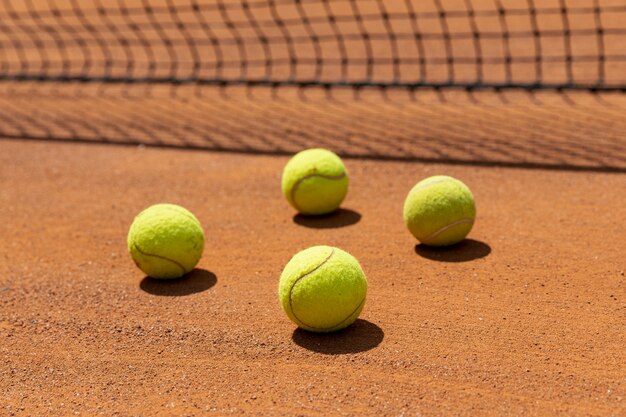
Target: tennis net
[528, 44]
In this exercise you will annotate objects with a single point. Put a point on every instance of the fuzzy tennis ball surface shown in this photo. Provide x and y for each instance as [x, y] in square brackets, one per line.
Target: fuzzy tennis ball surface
[439, 211]
[322, 289]
[315, 181]
[166, 241]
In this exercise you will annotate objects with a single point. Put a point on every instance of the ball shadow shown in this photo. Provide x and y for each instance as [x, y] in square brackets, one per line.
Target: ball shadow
[196, 281]
[361, 336]
[464, 251]
[338, 218]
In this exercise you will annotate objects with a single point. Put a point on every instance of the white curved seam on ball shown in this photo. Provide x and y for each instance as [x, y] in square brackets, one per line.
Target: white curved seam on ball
[332, 252]
[304, 276]
[159, 257]
[446, 227]
[183, 213]
[172, 209]
[428, 184]
[342, 321]
[331, 327]
[306, 177]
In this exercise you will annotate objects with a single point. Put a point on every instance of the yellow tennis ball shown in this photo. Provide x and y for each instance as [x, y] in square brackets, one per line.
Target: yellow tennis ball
[166, 241]
[315, 181]
[439, 211]
[322, 289]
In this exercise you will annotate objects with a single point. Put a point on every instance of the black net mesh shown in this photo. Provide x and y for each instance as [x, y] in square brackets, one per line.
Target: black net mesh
[244, 76]
[399, 43]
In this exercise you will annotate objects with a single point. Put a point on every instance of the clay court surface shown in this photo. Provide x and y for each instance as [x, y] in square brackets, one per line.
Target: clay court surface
[525, 317]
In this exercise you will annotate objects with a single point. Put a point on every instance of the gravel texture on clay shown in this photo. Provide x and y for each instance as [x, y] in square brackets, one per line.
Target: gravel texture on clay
[526, 317]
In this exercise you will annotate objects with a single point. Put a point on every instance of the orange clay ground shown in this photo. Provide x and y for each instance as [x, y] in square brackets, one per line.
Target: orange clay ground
[527, 317]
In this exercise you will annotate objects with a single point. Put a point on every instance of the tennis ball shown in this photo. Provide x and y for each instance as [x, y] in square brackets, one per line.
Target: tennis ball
[439, 211]
[322, 289]
[166, 241]
[315, 181]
